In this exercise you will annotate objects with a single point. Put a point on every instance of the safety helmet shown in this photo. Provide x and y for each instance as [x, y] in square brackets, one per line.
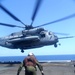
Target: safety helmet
[29, 54]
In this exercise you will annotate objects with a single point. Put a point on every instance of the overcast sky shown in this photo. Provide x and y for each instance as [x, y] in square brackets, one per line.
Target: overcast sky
[50, 10]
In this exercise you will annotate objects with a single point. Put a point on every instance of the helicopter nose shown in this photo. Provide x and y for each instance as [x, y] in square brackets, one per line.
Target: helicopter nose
[56, 38]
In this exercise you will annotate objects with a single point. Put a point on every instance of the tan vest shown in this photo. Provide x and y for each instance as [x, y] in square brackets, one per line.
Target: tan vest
[29, 61]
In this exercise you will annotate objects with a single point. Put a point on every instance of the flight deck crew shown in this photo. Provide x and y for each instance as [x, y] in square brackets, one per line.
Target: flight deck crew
[30, 63]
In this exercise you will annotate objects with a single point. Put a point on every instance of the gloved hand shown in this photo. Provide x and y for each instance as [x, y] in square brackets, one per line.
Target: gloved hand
[42, 72]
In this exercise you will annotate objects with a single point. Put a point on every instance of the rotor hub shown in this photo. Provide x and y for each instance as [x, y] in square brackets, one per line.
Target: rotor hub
[29, 27]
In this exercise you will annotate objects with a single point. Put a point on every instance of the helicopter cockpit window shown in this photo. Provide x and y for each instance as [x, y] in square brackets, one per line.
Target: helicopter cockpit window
[42, 35]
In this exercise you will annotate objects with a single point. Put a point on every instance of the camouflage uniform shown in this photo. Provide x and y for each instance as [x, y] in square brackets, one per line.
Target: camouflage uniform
[30, 63]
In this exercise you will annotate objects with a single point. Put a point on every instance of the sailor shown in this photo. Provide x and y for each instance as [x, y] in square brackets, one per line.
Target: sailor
[30, 63]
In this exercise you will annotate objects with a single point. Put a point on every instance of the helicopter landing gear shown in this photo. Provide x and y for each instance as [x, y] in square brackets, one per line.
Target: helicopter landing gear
[59, 44]
[22, 50]
[55, 45]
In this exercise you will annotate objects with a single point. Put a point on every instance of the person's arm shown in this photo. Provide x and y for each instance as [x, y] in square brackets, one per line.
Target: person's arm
[19, 69]
[40, 68]
[38, 64]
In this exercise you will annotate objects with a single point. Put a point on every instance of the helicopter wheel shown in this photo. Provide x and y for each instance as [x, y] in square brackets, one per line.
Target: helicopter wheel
[55, 45]
[22, 50]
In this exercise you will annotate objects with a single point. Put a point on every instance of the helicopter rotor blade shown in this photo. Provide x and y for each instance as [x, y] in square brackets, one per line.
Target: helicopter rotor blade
[58, 20]
[10, 14]
[61, 33]
[38, 3]
[66, 37]
[10, 25]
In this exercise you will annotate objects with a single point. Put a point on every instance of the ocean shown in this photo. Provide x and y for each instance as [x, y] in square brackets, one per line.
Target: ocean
[41, 58]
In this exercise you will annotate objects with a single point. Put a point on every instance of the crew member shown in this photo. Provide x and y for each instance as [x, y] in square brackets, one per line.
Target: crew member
[30, 63]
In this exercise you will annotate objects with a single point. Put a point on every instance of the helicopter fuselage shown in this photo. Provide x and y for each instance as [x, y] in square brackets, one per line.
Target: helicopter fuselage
[28, 39]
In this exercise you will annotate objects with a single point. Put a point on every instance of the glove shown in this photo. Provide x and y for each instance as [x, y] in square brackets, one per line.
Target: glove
[42, 73]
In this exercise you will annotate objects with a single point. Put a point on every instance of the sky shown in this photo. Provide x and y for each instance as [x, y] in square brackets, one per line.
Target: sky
[49, 10]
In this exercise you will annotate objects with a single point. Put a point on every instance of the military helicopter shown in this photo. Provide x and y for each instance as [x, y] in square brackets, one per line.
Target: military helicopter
[31, 37]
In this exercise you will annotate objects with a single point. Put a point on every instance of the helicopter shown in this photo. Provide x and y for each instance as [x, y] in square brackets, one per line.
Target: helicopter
[31, 37]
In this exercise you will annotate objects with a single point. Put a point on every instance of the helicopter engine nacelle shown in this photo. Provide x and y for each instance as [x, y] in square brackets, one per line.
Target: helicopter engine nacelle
[32, 31]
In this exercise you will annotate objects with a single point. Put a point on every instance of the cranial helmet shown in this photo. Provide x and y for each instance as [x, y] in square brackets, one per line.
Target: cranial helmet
[30, 54]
